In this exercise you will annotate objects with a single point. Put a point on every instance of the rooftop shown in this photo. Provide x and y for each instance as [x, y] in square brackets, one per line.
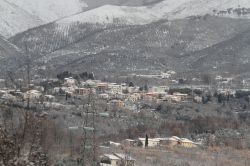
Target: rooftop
[124, 157]
[111, 156]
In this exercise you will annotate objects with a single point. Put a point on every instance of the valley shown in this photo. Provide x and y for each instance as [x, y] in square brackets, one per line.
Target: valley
[124, 82]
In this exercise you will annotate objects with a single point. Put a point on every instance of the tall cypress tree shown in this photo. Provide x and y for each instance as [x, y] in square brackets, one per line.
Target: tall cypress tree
[146, 141]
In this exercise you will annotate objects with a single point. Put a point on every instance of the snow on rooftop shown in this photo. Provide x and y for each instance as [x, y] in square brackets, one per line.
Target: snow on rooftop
[111, 156]
[124, 157]
[186, 140]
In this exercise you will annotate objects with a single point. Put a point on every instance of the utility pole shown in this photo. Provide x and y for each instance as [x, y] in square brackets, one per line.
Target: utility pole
[28, 61]
[89, 132]
[89, 141]
[26, 118]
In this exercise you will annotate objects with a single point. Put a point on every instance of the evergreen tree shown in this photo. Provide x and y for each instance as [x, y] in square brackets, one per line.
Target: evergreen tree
[146, 141]
[131, 84]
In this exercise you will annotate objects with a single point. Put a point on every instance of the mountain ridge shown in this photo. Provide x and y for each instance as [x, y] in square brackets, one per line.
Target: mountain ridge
[168, 9]
[164, 43]
[19, 15]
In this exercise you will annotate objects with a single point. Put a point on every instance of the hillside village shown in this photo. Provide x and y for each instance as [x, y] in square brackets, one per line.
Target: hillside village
[114, 100]
[124, 83]
[124, 95]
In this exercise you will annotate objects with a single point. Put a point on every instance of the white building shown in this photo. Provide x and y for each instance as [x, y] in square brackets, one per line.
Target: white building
[8, 97]
[32, 95]
[117, 159]
[218, 78]
[198, 99]
[103, 96]
[134, 97]
[176, 97]
[152, 142]
[110, 160]
[69, 82]
[90, 84]
[165, 75]
[115, 88]
[168, 74]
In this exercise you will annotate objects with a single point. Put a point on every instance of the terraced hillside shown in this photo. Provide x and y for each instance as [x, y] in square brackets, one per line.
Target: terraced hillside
[160, 45]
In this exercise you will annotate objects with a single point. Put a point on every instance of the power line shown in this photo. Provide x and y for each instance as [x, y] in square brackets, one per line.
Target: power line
[89, 132]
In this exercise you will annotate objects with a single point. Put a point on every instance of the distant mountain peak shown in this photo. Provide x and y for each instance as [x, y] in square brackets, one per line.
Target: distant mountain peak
[19, 15]
[167, 9]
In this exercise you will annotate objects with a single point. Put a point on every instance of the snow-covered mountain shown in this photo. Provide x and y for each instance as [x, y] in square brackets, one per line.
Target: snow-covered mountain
[126, 14]
[154, 46]
[19, 15]
[50, 10]
[14, 19]
[167, 9]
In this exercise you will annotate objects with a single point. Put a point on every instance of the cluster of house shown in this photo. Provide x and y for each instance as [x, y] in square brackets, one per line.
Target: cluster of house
[157, 142]
[116, 159]
[117, 94]
[17, 95]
